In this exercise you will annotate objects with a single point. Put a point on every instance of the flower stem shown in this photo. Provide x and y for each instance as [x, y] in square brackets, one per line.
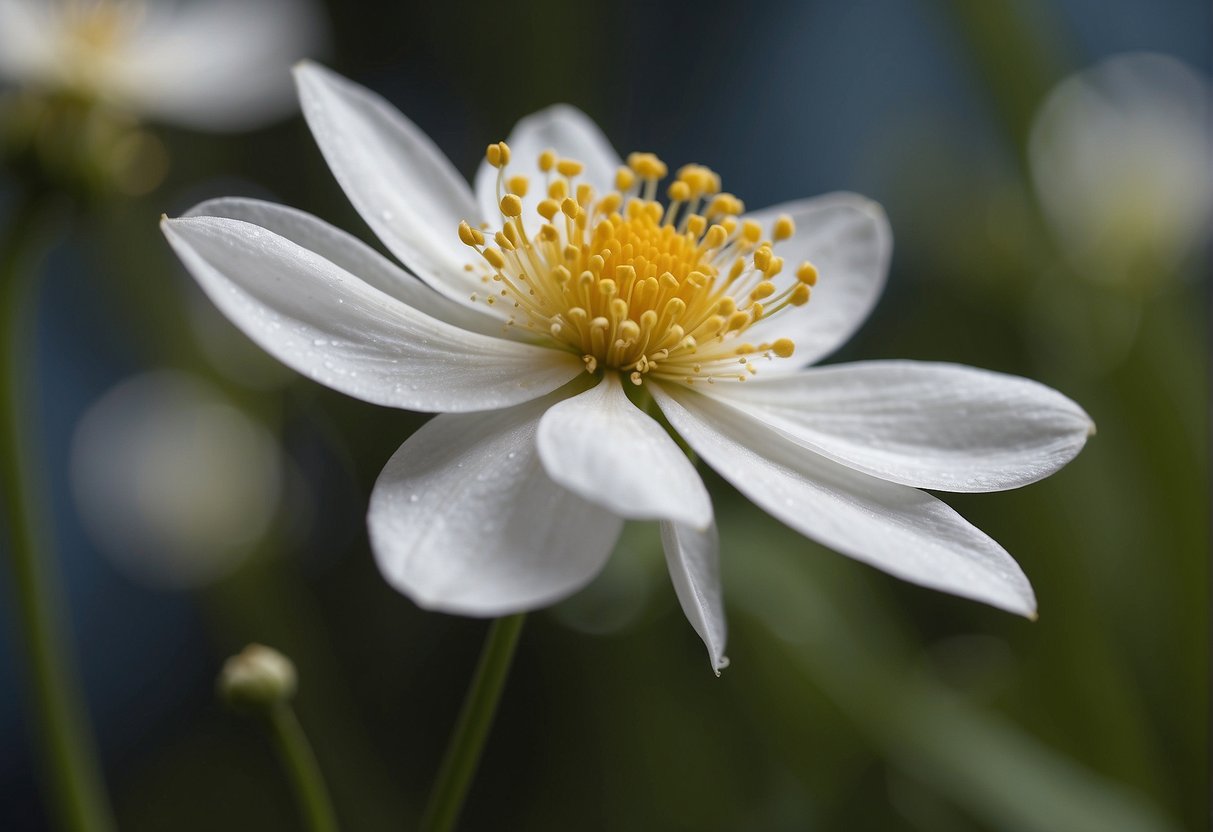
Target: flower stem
[475, 720]
[300, 762]
[75, 788]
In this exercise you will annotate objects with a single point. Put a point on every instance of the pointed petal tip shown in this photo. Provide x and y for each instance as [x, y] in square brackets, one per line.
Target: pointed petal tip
[306, 65]
[719, 664]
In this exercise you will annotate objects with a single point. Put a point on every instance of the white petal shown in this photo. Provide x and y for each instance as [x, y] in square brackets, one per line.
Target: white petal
[941, 426]
[324, 322]
[406, 190]
[694, 561]
[464, 519]
[847, 237]
[568, 131]
[599, 445]
[898, 529]
[28, 31]
[218, 65]
[351, 254]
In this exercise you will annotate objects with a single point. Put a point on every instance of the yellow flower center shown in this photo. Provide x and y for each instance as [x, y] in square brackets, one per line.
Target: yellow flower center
[630, 284]
[94, 32]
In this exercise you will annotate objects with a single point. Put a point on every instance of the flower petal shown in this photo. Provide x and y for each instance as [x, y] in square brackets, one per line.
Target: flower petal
[324, 322]
[898, 529]
[599, 445]
[27, 41]
[406, 190]
[568, 131]
[694, 561]
[940, 426]
[351, 254]
[464, 519]
[847, 237]
[218, 65]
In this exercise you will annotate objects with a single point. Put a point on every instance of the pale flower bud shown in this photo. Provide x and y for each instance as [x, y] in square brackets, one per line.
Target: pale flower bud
[257, 679]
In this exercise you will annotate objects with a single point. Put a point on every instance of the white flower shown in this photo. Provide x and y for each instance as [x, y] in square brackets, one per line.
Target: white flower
[206, 64]
[1120, 160]
[542, 350]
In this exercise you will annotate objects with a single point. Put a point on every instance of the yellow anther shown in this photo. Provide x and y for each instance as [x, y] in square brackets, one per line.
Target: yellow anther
[784, 228]
[562, 275]
[629, 330]
[497, 154]
[726, 306]
[511, 205]
[546, 160]
[679, 192]
[783, 347]
[548, 209]
[807, 273]
[762, 258]
[647, 165]
[757, 310]
[517, 185]
[800, 295]
[470, 236]
[715, 237]
[607, 286]
[626, 273]
[559, 189]
[548, 233]
[696, 224]
[738, 320]
[751, 231]
[569, 167]
[725, 204]
[570, 208]
[610, 203]
[737, 268]
[503, 241]
[763, 290]
[774, 267]
[494, 257]
[624, 179]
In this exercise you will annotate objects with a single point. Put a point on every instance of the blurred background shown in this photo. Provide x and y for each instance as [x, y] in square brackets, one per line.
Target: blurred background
[204, 497]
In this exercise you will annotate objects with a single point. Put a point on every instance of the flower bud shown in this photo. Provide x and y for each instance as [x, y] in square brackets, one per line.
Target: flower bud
[257, 679]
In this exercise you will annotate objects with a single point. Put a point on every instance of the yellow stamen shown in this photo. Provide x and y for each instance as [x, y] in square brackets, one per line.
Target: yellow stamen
[632, 285]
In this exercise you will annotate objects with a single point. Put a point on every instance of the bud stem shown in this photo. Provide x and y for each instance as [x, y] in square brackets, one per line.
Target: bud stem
[472, 729]
[300, 763]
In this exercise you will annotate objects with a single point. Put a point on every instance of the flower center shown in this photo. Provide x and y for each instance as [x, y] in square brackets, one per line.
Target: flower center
[630, 284]
[93, 31]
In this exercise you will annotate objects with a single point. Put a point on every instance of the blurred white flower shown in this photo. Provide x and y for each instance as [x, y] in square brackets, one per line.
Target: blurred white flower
[1120, 157]
[173, 482]
[204, 64]
[548, 346]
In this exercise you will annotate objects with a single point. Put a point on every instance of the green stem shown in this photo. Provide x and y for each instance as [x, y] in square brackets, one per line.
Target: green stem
[300, 762]
[69, 760]
[475, 720]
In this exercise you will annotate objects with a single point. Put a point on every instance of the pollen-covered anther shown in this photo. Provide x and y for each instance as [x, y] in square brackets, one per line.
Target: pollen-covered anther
[497, 154]
[633, 284]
